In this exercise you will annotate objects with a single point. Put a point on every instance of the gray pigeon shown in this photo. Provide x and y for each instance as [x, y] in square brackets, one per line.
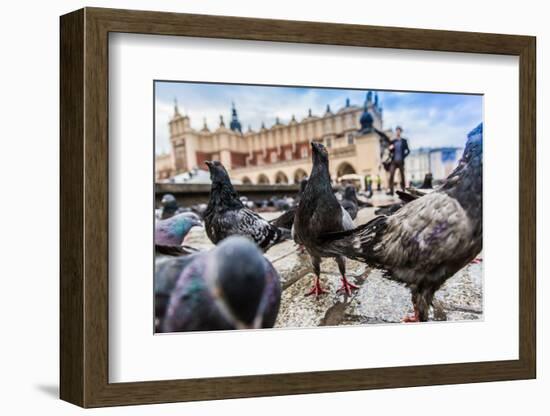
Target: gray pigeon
[349, 201]
[232, 286]
[319, 212]
[429, 239]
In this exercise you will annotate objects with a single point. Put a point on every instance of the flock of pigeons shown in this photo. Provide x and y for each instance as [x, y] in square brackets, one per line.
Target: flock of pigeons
[420, 242]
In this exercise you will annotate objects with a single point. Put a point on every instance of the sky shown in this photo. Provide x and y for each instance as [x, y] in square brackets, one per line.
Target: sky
[428, 119]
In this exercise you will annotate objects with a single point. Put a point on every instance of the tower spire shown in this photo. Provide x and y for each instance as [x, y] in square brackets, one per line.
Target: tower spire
[176, 109]
[204, 125]
[235, 124]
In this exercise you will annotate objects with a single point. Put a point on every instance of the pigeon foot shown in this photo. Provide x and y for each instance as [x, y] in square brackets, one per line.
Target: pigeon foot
[347, 286]
[415, 317]
[316, 290]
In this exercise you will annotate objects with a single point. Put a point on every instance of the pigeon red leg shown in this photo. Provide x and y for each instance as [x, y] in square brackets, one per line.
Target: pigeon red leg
[347, 286]
[412, 318]
[316, 290]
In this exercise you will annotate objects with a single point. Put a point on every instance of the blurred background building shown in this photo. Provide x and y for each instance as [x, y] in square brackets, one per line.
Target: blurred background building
[281, 153]
[439, 161]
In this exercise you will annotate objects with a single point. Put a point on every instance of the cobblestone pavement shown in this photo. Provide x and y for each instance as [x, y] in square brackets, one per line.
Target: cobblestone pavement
[378, 300]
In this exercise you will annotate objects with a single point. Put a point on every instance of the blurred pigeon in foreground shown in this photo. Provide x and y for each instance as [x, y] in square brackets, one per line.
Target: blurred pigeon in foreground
[226, 214]
[170, 233]
[320, 212]
[232, 286]
[429, 239]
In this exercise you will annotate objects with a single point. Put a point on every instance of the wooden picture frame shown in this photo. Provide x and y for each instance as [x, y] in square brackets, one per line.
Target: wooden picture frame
[84, 207]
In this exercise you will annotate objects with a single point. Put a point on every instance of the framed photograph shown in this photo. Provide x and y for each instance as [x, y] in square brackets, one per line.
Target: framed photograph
[255, 207]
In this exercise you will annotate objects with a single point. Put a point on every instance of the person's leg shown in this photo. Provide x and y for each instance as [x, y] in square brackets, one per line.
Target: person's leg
[402, 173]
[392, 173]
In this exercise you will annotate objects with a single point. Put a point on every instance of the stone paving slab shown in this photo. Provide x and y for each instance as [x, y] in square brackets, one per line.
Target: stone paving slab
[378, 301]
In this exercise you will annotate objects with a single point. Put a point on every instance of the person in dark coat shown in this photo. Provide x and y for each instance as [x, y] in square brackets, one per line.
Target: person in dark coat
[399, 150]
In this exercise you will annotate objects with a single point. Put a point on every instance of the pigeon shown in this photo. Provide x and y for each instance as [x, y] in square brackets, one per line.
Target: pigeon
[429, 239]
[349, 201]
[428, 179]
[232, 286]
[319, 212]
[405, 197]
[226, 215]
[169, 207]
[167, 271]
[286, 219]
[170, 233]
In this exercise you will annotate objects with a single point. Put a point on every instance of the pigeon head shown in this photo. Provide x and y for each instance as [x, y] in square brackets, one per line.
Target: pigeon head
[472, 155]
[218, 174]
[474, 145]
[465, 182]
[192, 218]
[168, 200]
[320, 153]
[237, 271]
[172, 231]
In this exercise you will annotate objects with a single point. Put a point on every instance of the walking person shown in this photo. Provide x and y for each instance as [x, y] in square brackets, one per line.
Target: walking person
[378, 183]
[399, 150]
[368, 185]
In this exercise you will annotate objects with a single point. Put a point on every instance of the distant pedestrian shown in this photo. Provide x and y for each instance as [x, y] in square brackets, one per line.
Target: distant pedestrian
[368, 185]
[399, 150]
[378, 182]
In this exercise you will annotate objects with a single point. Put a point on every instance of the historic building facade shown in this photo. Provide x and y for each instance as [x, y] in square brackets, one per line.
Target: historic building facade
[280, 153]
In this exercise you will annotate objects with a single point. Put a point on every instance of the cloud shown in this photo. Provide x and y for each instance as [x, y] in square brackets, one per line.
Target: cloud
[428, 119]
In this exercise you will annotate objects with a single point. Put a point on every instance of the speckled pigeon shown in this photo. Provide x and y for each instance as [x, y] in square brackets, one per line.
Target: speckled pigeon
[232, 286]
[429, 239]
[226, 215]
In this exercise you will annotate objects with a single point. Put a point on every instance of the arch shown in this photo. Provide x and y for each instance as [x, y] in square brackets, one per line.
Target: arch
[299, 175]
[280, 177]
[246, 180]
[263, 179]
[345, 168]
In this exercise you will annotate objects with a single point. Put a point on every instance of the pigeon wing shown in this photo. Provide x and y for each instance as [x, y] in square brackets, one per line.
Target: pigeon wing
[347, 221]
[259, 229]
[426, 233]
[248, 224]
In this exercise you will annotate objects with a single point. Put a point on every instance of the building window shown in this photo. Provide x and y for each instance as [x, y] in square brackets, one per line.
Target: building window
[273, 157]
[351, 138]
[303, 152]
[288, 154]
